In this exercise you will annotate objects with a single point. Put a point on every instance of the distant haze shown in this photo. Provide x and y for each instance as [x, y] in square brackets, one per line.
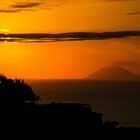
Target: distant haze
[114, 73]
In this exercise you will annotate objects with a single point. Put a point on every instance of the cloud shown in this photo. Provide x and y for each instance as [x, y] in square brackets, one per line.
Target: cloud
[9, 11]
[26, 5]
[13, 10]
[70, 36]
[13, 6]
[118, 0]
[137, 12]
[126, 63]
[20, 6]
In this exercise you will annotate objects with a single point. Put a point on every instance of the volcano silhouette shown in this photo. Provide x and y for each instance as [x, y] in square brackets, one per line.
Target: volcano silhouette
[114, 73]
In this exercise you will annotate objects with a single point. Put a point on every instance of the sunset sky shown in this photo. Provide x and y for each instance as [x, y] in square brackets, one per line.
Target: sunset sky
[68, 59]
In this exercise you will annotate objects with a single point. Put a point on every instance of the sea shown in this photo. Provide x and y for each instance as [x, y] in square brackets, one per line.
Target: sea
[117, 101]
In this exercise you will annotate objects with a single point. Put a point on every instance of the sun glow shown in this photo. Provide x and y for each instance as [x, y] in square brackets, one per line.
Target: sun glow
[5, 31]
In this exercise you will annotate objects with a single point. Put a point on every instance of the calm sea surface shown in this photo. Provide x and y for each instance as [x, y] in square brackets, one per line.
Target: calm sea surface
[116, 100]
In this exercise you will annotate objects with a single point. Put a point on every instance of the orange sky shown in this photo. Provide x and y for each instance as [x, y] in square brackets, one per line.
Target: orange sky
[70, 15]
[68, 59]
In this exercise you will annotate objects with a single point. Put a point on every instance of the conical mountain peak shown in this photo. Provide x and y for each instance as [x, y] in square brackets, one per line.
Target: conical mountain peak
[114, 73]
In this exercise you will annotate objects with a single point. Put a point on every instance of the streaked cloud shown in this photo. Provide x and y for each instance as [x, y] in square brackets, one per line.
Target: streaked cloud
[9, 11]
[70, 36]
[11, 6]
[136, 12]
[120, 0]
[26, 5]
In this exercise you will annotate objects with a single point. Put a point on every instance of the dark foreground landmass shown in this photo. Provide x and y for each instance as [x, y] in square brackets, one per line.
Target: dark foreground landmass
[57, 116]
[65, 115]
[18, 105]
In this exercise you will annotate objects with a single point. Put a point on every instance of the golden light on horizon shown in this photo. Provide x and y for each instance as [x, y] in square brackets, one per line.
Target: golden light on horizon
[5, 31]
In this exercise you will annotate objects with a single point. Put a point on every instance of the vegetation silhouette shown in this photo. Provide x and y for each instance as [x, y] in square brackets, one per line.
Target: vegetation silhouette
[15, 93]
[17, 96]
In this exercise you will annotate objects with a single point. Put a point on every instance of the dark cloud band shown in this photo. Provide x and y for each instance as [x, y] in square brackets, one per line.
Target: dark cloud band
[26, 5]
[30, 5]
[133, 13]
[70, 36]
[9, 11]
[23, 5]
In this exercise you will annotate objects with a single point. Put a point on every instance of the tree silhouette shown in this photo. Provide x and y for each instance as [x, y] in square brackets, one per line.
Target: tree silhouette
[15, 91]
